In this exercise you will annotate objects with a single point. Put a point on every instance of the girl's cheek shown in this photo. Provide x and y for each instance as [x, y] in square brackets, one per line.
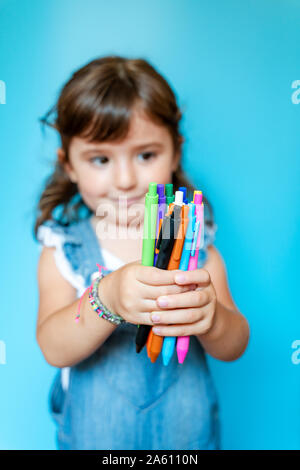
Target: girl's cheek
[91, 193]
[93, 184]
[159, 173]
[162, 170]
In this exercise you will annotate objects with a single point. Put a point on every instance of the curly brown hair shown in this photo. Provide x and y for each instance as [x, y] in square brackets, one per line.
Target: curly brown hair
[96, 103]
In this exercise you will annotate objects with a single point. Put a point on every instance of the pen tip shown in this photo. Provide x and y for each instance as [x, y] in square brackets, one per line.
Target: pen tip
[181, 356]
[153, 357]
[166, 361]
[138, 348]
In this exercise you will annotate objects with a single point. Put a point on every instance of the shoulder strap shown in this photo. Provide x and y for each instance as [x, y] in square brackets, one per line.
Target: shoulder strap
[88, 253]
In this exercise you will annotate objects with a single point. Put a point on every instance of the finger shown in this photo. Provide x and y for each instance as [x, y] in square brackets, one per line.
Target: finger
[178, 316]
[153, 292]
[196, 298]
[198, 328]
[147, 306]
[196, 276]
[154, 276]
[142, 318]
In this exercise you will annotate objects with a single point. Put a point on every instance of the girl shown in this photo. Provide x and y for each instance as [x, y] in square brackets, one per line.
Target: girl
[118, 121]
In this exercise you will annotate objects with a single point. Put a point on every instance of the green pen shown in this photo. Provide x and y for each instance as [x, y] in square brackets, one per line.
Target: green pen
[169, 193]
[150, 217]
[151, 206]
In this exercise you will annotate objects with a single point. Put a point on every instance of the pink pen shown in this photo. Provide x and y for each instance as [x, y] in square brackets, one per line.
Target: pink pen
[183, 342]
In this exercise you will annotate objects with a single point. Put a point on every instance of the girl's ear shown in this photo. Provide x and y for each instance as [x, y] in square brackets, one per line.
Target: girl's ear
[61, 155]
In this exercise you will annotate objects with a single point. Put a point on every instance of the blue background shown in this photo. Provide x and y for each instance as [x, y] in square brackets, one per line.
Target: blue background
[232, 65]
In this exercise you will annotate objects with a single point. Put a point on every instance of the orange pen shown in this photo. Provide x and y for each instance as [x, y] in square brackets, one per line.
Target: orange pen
[178, 246]
[149, 341]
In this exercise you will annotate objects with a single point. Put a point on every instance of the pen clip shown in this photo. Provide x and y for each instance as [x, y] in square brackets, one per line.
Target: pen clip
[193, 220]
[159, 230]
[158, 243]
[181, 234]
[197, 227]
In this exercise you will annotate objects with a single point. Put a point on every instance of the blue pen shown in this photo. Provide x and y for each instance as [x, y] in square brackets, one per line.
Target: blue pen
[183, 189]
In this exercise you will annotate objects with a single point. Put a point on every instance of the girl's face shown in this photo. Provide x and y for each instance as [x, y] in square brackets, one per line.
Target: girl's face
[117, 174]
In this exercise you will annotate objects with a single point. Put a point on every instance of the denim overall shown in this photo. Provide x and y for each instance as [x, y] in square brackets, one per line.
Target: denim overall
[117, 399]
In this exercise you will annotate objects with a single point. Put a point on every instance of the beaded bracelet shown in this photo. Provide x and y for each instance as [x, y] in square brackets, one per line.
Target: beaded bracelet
[96, 303]
[93, 302]
[98, 306]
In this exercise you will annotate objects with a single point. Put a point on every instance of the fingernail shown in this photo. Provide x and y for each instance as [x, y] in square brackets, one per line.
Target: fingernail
[180, 278]
[155, 318]
[156, 330]
[162, 302]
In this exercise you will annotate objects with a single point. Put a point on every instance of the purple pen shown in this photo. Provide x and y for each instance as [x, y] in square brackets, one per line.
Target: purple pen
[162, 208]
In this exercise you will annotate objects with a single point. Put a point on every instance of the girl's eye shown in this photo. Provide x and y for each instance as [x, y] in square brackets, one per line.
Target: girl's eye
[147, 155]
[100, 161]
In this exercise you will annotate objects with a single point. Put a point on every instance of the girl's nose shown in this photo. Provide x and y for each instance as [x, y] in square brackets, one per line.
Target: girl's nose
[125, 175]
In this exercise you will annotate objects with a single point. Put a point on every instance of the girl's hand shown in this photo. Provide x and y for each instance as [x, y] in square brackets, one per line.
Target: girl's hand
[131, 291]
[190, 313]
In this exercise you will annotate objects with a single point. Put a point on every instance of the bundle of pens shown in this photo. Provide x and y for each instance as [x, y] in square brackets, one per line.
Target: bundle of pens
[173, 235]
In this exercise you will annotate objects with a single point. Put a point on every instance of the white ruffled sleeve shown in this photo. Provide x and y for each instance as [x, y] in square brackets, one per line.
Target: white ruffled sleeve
[55, 237]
